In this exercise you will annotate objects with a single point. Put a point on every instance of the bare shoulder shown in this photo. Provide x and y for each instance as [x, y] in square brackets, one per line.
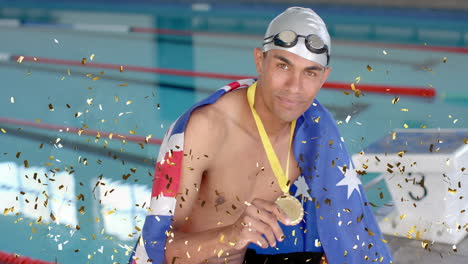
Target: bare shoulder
[205, 130]
[209, 125]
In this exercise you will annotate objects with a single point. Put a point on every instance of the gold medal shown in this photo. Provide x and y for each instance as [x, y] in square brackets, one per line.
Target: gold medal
[292, 207]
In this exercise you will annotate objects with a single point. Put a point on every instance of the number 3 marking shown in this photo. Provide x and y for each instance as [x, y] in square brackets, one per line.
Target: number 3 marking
[420, 183]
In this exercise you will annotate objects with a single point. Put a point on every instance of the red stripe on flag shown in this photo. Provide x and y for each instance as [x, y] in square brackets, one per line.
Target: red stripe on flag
[167, 175]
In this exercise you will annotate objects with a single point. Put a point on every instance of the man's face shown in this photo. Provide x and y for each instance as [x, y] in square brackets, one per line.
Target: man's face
[287, 83]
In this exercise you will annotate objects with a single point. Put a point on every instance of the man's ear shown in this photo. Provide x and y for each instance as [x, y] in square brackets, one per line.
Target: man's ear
[258, 57]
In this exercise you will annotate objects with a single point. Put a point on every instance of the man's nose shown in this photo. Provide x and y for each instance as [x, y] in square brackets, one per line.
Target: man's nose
[294, 84]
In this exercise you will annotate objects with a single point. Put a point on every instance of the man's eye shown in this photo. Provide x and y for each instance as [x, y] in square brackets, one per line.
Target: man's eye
[311, 73]
[283, 66]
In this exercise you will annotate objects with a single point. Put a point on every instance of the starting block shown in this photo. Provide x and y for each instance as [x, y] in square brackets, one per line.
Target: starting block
[426, 172]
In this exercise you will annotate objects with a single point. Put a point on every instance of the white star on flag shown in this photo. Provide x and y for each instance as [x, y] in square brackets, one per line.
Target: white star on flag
[302, 188]
[350, 179]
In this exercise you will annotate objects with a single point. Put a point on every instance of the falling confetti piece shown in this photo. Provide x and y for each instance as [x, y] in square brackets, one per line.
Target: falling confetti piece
[404, 110]
[402, 216]
[51, 108]
[405, 125]
[96, 78]
[3, 130]
[68, 72]
[395, 100]
[83, 61]
[348, 118]
[125, 84]
[89, 101]
[91, 57]
[128, 102]
[384, 52]
[12, 100]
[369, 68]
[20, 59]
[121, 68]
[358, 79]
[116, 98]
[444, 60]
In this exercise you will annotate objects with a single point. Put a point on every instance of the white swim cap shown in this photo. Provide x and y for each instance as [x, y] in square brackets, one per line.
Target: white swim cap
[304, 22]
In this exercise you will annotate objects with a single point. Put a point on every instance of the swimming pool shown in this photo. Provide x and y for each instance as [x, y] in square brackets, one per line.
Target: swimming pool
[95, 178]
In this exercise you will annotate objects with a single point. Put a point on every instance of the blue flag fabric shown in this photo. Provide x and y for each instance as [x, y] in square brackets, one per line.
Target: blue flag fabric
[337, 220]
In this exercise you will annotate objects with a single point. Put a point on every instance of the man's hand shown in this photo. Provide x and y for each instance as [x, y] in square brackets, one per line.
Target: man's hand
[259, 221]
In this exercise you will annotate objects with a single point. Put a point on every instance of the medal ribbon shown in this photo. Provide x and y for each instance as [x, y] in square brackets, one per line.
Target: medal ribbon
[270, 152]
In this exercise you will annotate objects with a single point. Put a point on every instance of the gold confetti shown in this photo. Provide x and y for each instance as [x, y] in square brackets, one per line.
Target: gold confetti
[20, 59]
[68, 72]
[132, 132]
[402, 216]
[116, 98]
[12, 100]
[369, 68]
[3, 130]
[35, 59]
[83, 61]
[395, 100]
[358, 79]
[96, 78]
[452, 190]
[384, 52]
[51, 108]
[444, 60]
[26, 164]
[393, 135]
[465, 140]
[405, 125]
[121, 68]
[125, 84]
[128, 102]
[404, 110]
[91, 57]
[34, 230]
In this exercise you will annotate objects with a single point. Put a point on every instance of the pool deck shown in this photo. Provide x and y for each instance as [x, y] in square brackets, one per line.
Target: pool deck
[410, 251]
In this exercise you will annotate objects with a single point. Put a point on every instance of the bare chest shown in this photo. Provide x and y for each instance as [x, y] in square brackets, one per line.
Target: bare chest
[240, 174]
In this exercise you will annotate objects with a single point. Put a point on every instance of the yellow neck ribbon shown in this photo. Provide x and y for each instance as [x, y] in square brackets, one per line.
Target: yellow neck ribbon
[270, 152]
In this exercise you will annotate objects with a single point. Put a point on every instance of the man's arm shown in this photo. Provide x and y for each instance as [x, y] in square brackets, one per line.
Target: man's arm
[203, 140]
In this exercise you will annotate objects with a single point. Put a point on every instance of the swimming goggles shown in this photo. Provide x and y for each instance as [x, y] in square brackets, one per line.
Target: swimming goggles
[288, 39]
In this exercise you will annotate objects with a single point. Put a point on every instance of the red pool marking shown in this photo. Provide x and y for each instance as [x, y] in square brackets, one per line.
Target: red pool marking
[371, 88]
[88, 132]
[384, 89]
[10, 258]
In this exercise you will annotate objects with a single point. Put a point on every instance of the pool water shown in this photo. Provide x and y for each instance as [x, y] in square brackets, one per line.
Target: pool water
[96, 186]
